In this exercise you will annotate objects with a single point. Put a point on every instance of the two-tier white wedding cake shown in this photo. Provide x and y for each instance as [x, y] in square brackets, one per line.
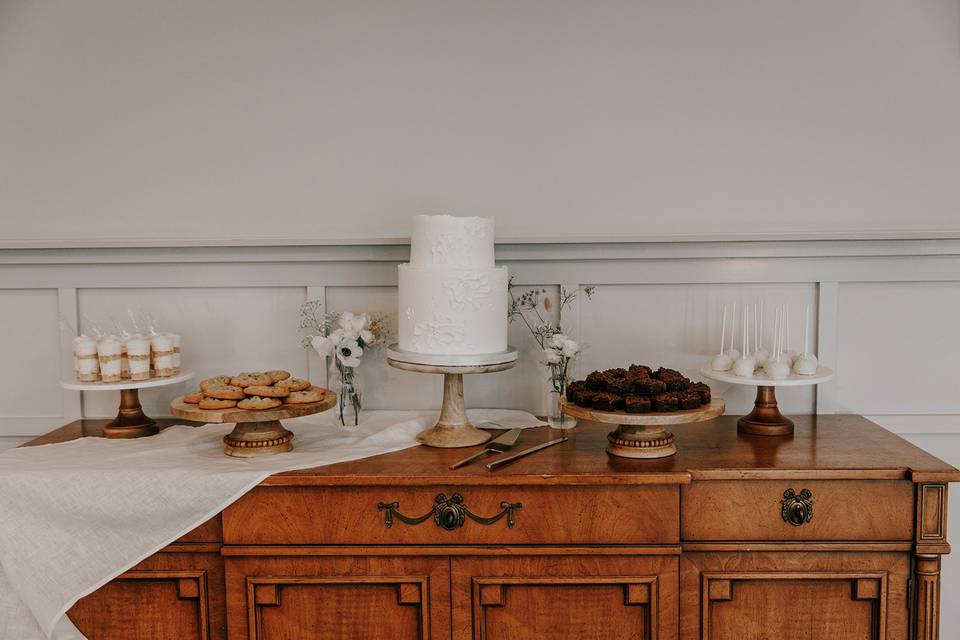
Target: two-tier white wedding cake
[453, 298]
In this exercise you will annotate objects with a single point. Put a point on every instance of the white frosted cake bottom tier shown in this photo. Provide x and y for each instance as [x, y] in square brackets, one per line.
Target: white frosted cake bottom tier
[452, 311]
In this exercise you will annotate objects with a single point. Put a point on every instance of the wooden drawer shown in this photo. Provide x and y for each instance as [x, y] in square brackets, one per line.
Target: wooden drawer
[856, 510]
[549, 515]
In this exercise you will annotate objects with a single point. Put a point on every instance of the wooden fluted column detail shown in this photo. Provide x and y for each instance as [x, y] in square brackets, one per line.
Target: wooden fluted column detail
[927, 574]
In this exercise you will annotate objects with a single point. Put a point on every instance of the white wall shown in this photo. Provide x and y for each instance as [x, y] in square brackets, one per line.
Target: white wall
[886, 317]
[241, 120]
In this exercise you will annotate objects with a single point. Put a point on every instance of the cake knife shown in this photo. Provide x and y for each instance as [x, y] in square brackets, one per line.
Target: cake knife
[502, 461]
[502, 443]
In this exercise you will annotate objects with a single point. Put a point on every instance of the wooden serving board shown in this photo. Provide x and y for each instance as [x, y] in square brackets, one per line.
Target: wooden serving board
[710, 411]
[187, 411]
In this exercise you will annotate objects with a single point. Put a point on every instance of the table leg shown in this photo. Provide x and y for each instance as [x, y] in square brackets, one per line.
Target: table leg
[765, 419]
[130, 422]
[453, 429]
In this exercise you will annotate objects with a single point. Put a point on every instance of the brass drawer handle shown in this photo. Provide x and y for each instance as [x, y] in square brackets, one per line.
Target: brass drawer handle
[449, 513]
[797, 509]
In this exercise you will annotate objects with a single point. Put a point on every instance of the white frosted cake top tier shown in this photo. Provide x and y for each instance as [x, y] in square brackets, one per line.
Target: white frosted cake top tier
[451, 241]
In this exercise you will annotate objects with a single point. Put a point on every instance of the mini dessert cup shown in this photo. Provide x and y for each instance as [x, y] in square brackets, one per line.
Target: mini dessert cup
[177, 339]
[163, 363]
[138, 353]
[109, 349]
[85, 359]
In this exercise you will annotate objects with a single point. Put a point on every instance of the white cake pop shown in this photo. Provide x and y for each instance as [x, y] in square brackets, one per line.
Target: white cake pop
[760, 355]
[777, 368]
[745, 364]
[806, 364]
[721, 361]
[733, 353]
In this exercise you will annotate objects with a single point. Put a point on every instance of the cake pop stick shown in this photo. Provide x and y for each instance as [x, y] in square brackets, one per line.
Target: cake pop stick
[744, 365]
[806, 364]
[760, 355]
[721, 361]
[732, 352]
[778, 369]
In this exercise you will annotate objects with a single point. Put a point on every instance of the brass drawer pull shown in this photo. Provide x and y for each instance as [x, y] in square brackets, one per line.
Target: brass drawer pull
[449, 513]
[797, 509]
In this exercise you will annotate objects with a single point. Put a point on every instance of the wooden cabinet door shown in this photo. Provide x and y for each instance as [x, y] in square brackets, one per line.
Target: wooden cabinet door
[168, 596]
[338, 598]
[794, 594]
[569, 597]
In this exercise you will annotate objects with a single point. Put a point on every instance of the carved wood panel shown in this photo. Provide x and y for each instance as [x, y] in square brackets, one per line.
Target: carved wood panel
[159, 604]
[612, 598]
[297, 608]
[794, 594]
[338, 598]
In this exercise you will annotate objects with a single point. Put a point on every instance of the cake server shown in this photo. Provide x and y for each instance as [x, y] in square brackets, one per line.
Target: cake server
[502, 461]
[502, 443]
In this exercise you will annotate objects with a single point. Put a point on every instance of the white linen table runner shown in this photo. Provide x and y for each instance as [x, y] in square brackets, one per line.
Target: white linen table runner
[75, 515]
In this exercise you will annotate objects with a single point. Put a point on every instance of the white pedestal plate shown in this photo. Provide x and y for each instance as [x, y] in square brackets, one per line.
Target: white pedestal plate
[453, 429]
[766, 419]
[130, 422]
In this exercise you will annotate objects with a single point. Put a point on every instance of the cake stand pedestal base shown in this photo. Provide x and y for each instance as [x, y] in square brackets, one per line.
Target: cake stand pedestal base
[453, 428]
[640, 442]
[765, 419]
[131, 421]
[251, 439]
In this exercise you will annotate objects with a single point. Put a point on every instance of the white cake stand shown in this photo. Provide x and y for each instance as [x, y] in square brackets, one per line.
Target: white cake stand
[130, 422]
[766, 419]
[453, 429]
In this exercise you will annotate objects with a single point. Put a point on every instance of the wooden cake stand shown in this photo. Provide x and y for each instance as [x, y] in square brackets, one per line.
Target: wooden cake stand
[766, 419]
[131, 421]
[453, 428]
[642, 435]
[257, 433]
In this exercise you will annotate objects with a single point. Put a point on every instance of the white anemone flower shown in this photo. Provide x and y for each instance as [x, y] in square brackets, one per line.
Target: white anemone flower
[348, 354]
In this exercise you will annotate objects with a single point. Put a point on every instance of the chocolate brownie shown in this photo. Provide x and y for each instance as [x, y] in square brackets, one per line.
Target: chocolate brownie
[619, 372]
[663, 373]
[640, 369]
[577, 393]
[689, 400]
[667, 401]
[605, 401]
[703, 390]
[677, 384]
[596, 381]
[619, 386]
[636, 404]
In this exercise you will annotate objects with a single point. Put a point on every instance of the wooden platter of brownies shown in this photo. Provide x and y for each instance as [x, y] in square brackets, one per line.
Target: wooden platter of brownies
[641, 402]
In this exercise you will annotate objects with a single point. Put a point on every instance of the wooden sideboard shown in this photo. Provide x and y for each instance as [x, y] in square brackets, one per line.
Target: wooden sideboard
[834, 533]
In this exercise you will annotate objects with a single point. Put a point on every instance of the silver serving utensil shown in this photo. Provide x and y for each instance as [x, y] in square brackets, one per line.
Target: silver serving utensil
[501, 443]
[502, 461]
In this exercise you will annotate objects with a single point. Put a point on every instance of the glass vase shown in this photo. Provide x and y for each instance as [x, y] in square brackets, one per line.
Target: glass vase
[348, 397]
[555, 389]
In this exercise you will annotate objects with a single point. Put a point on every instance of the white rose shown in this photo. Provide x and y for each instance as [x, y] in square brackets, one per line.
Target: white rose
[322, 345]
[349, 354]
[353, 324]
[552, 355]
[556, 340]
[367, 336]
[570, 348]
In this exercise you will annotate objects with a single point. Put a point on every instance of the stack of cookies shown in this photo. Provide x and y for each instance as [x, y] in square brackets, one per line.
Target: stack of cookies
[638, 389]
[254, 391]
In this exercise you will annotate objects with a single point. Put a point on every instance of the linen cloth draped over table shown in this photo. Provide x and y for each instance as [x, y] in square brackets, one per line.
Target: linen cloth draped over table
[75, 515]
